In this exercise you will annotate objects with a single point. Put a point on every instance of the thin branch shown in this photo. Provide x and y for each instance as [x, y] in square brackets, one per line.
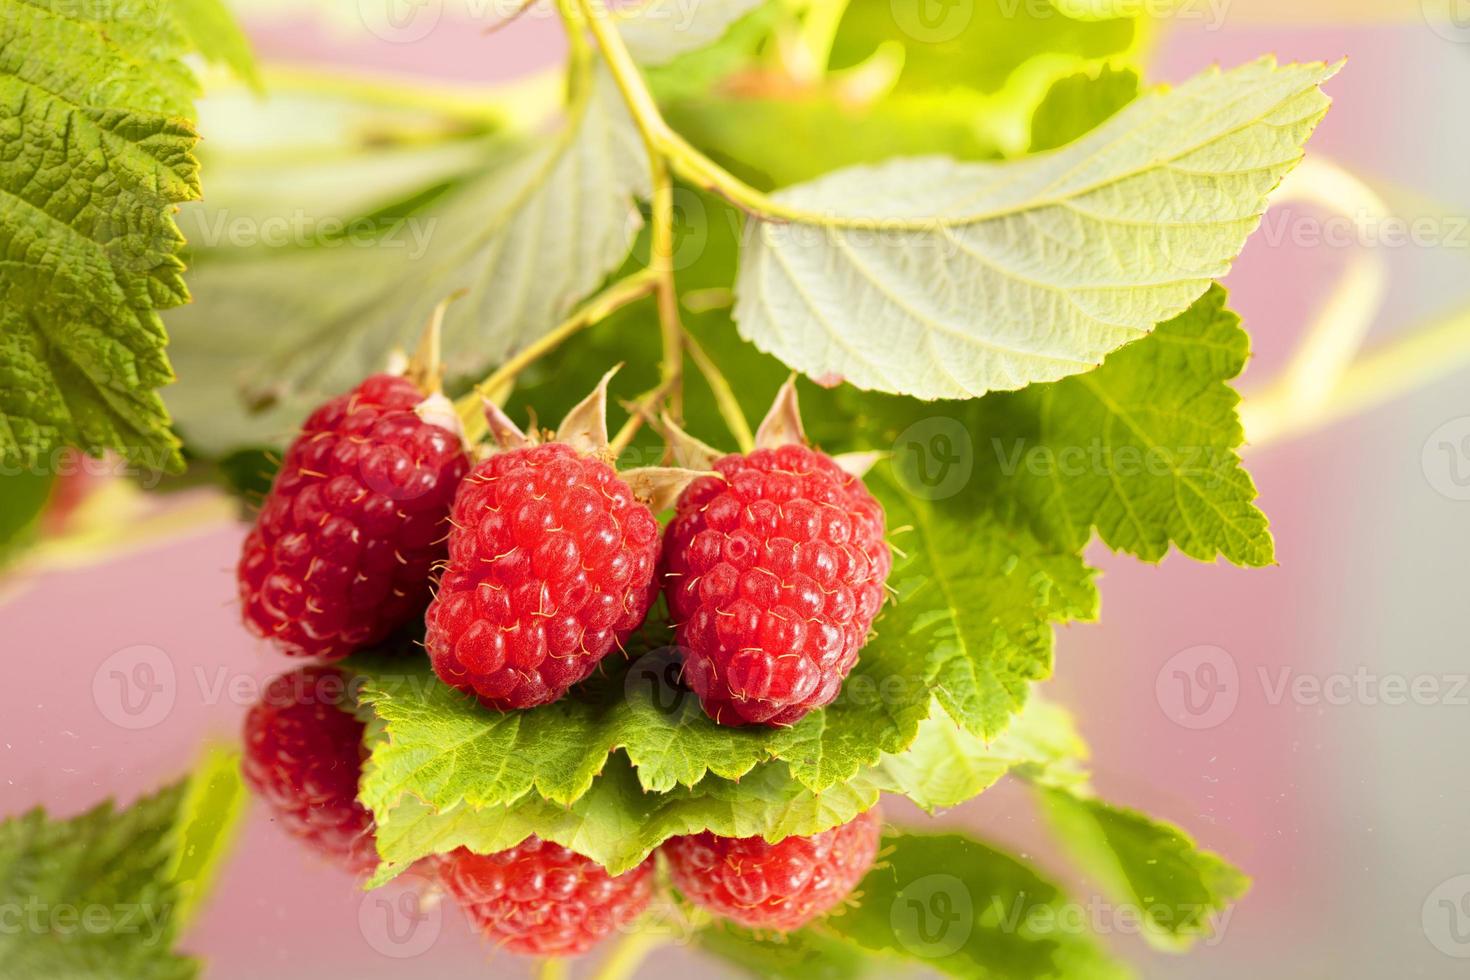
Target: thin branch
[725, 399]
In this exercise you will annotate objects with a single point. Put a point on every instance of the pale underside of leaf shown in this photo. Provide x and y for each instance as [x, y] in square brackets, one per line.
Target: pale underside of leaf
[314, 321]
[939, 279]
[657, 31]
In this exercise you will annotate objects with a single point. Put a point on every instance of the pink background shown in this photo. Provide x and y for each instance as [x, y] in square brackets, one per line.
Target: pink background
[1347, 815]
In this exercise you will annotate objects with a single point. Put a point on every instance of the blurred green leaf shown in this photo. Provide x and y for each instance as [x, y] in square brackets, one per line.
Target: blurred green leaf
[1178, 889]
[1079, 103]
[105, 894]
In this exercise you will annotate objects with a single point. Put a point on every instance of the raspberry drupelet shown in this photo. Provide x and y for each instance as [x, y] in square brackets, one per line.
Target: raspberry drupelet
[774, 576]
[303, 756]
[540, 899]
[781, 886]
[342, 551]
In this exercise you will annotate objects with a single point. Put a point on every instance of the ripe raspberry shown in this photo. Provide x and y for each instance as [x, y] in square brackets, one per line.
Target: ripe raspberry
[541, 899]
[551, 562]
[780, 886]
[773, 577]
[303, 756]
[341, 553]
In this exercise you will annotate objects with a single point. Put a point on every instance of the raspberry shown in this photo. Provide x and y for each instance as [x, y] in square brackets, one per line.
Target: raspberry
[341, 553]
[773, 575]
[541, 899]
[780, 886]
[303, 756]
[551, 562]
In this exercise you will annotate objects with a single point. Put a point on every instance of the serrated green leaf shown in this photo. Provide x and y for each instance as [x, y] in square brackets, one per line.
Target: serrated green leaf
[282, 329]
[1143, 449]
[103, 894]
[1077, 104]
[1179, 889]
[989, 593]
[618, 823]
[99, 134]
[939, 279]
[951, 904]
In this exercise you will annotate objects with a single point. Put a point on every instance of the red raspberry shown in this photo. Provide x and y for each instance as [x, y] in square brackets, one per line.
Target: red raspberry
[303, 756]
[551, 563]
[341, 553]
[780, 886]
[773, 576]
[541, 899]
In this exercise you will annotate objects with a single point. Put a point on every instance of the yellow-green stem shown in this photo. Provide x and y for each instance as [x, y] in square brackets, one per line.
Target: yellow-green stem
[628, 955]
[725, 399]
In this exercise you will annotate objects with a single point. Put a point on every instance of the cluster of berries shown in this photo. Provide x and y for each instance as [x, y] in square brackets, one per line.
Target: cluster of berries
[773, 565]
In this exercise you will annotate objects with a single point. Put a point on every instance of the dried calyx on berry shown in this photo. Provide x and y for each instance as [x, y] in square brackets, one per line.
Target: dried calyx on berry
[342, 550]
[552, 555]
[774, 572]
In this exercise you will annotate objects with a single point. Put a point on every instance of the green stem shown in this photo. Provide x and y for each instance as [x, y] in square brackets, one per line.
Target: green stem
[655, 131]
[630, 952]
[498, 384]
[554, 969]
[725, 399]
[667, 146]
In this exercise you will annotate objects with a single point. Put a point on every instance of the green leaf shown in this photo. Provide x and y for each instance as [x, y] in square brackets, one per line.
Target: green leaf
[209, 817]
[804, 955]
[821, 133]
[218, 37]
[1180, 890]
[279, 330]
[987, 594]
[98, 114]
[26, 495]
[979, 44]
[1077, 104]
[657, 31]
[618, 823]
[950, 904]
[1143, 449]
[939, 279]
[105, 894]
